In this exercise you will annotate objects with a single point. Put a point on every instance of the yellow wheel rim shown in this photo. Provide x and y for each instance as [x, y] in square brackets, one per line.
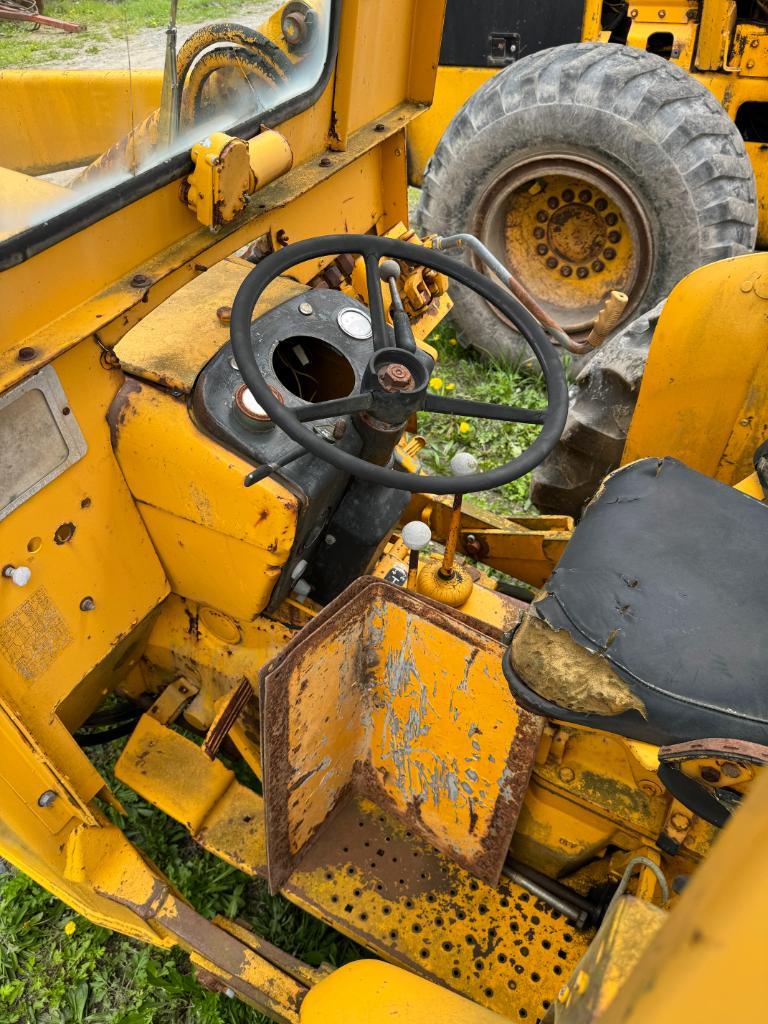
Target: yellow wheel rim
[571, 232]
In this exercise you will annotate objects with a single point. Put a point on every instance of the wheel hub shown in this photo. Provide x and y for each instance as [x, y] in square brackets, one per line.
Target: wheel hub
[571, 233]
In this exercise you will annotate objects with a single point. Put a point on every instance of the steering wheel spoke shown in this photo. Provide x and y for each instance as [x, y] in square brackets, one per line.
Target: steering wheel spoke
[333, 407]
[483, 410]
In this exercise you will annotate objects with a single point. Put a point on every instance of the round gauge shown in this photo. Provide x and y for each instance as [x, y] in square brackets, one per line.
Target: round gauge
[355, 323]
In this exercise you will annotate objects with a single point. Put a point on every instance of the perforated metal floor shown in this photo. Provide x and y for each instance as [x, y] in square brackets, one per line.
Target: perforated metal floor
[371, 879]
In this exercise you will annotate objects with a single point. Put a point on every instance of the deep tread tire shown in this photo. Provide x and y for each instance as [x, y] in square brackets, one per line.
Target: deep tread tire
[647, 120]
[602, 402]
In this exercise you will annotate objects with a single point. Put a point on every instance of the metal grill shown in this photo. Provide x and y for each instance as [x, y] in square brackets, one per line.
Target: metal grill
[375, 881]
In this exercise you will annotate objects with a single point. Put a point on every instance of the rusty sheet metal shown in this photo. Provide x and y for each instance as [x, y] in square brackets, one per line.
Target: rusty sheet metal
[371, 878]
[226, 717]
[172, 344]
[387, 695]
[175, 775]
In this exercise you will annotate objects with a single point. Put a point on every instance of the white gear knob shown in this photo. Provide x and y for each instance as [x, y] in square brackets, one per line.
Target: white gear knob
[463, 463]
[416, 535]
[19, 574]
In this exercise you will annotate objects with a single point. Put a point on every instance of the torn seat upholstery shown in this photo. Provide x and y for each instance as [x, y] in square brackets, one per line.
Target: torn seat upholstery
[653, 624]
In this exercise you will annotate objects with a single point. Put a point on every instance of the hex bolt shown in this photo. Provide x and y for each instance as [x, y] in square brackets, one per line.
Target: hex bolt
[305, 308]
[680, 821]
[87, 604]
[325, 161]
[709, 774]
[18, 574]
[395, 377]
[140, 281]
[47, 798]
[26, 354]
[330, 540]
[281, 237]
[567, 774]
[380, 127]
[224, 314]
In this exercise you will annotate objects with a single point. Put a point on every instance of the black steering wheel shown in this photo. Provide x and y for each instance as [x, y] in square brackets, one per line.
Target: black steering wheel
[395, 384]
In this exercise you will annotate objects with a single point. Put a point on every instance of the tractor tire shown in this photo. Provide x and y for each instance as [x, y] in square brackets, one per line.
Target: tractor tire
[602, 402]
[588, 168]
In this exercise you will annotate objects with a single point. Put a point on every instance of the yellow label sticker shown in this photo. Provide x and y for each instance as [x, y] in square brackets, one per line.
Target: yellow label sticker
[34, 635]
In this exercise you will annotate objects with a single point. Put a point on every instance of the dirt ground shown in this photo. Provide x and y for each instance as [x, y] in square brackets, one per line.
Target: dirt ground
[146, 47]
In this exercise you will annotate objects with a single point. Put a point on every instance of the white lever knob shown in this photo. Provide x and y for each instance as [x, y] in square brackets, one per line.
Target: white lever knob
[20, 574]
[416, 535]
[463, 463]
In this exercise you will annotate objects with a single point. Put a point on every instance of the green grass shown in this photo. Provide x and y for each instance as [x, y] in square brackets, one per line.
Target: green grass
[48, 976]
[463, 374]
[104, 19]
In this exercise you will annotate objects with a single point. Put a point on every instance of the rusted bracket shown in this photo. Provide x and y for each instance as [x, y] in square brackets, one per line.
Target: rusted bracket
[226, 717]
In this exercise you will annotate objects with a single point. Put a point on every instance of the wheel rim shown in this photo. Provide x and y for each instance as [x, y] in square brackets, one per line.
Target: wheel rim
[571, 232]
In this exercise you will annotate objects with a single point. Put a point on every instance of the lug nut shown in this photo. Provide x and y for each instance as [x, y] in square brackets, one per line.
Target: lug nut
[598, 266]
[568, 195]
[582, 272]
[601, 204]
[566, 271]
[538, 232]
[610, 254]
[611, 219]
[553, 202]
[541, 216]
[585, 196]
[614, 236]
[542, 249]
[709, 774]
[551, 262]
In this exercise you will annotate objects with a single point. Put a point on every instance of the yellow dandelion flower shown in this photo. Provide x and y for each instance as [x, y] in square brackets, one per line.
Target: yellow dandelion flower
[452, 341]
[450, 387]
[436, 383]
[70, 928]
[464, 428]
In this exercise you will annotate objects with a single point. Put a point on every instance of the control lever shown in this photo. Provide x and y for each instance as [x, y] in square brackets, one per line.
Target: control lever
[389, 272]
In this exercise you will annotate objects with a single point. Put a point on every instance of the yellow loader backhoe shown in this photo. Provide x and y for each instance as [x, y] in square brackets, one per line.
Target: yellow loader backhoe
[214, 525]
[595, 146]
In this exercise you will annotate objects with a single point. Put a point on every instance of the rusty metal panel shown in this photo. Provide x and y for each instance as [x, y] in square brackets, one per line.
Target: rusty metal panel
[387, 695]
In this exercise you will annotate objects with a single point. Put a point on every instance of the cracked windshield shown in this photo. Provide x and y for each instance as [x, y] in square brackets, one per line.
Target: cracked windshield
[153, 76]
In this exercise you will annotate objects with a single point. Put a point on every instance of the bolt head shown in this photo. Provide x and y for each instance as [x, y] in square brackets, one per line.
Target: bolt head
[87, 604]
[305, 308]
[224, 314]
[709, 774]
[47, 798]
[395, 377]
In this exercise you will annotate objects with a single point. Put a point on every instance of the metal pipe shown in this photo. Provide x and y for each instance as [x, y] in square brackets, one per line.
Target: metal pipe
[520, 292]
[572, 906]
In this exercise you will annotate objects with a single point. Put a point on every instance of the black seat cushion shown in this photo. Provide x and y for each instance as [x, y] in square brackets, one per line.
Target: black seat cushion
[653, 624]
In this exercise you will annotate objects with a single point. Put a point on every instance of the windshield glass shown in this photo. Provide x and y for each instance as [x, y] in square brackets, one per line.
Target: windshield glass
[93, 95]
